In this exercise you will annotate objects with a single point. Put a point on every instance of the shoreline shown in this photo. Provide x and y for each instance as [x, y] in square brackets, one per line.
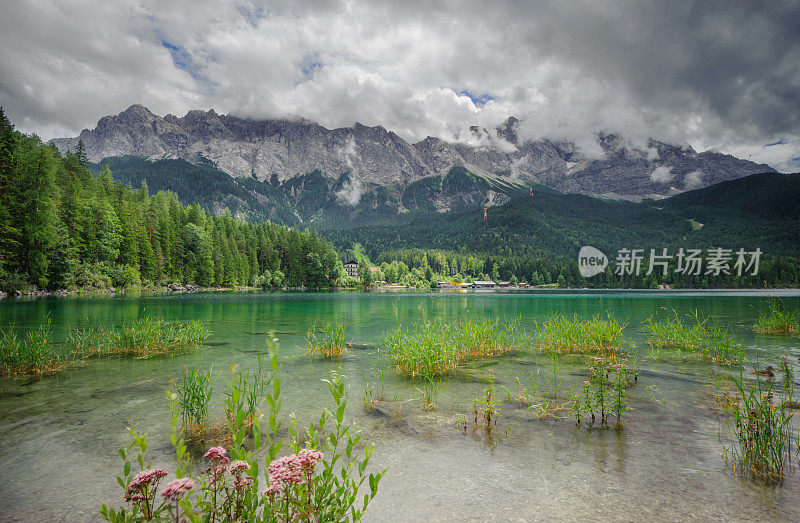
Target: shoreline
[175, 289]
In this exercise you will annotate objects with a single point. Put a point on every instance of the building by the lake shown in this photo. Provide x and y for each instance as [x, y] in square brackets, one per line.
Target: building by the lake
[351, 267]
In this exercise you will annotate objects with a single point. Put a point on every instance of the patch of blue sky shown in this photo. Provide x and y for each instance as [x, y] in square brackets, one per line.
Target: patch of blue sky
[478, 99]
[183, 60]
[253, 13]
[309, 66]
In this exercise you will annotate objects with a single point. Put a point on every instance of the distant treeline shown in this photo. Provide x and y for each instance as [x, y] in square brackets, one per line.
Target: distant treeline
[61, 227]
[438, 265]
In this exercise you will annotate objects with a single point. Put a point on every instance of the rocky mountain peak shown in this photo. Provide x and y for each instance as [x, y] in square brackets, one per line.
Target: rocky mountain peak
[284, 149]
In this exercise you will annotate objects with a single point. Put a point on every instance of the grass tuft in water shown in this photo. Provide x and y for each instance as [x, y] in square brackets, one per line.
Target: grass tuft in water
[437, 348]
[194, 399]
[693, 337]
[143, 339]
[374, 391]
[598, 335]
[328, 341]
[33, 353]
[778, 320]
[758, 421]
[428, 390]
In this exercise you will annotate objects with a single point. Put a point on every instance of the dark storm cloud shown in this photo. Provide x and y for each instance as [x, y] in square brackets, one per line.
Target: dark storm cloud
[722, 75]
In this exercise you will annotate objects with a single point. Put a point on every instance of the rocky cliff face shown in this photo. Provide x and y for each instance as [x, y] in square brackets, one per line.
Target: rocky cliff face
[374, 157]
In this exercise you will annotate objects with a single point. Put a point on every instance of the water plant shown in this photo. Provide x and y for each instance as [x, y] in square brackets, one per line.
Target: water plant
[374, 390]
[778, 320]
[34, 353]
[319, 479]
[328, 341]
[527, 388]
[605, 392]
[563, 335]
[144, 338]
[194, 399]
[487, 407]
[245, 393]
[437, 348]
[428, 390]
[693, 338]
[758, 421]
[554, 382]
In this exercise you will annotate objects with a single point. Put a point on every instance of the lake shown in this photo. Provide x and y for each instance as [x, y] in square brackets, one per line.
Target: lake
[59, 435]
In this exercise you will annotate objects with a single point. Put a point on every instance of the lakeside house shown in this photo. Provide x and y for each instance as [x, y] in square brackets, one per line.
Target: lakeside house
[483, 284]
[351, 268]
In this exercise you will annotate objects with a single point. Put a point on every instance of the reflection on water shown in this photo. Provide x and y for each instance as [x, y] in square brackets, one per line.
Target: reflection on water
[59, 435]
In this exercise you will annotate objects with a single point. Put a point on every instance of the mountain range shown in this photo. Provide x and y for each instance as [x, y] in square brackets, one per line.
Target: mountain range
[368, 185]
[358, 160]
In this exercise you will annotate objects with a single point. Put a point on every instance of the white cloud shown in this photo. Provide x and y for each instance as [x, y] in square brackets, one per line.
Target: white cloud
[353, 188]
[693, 180]
[661, 175]
[675, 71]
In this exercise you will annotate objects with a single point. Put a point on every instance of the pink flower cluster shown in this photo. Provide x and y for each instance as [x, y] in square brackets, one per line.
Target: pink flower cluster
[177, 488]
[285, 470]
[237, 469]
[290, 469]
[308, 459]
[216, 453]
[138, 486]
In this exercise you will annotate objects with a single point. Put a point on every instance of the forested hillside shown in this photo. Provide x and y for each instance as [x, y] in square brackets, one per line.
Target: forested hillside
[536, 237]
[61, 227]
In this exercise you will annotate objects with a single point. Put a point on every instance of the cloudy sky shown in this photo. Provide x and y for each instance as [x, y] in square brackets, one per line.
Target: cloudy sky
[718, 75]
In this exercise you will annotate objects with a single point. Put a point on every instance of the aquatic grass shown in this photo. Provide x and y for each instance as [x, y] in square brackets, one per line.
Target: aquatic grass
[194, 397]
[428, 390]
[144, 338]
[778, 320]
[555, 383]
[527, 388]
[437, 348]
[328, 341]
[374, 390]
[758, 420]
[705, 339]
[563, 335]
[31, 354]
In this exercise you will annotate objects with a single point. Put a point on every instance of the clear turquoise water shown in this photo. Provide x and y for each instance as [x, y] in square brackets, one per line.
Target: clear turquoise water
[59, 435]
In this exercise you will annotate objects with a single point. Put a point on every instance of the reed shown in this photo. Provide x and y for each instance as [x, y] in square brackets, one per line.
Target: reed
[428, 391]
[437, 348]
[328, 341]
[693, 337]
[145, 338]
[597, 336]
[32, 354]
[778, 320]
[194, 396]
[374, 391]
[758, 422]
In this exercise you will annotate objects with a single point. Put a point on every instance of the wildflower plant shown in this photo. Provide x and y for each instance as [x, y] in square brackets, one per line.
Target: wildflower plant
[320, 478]
[605, 392]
